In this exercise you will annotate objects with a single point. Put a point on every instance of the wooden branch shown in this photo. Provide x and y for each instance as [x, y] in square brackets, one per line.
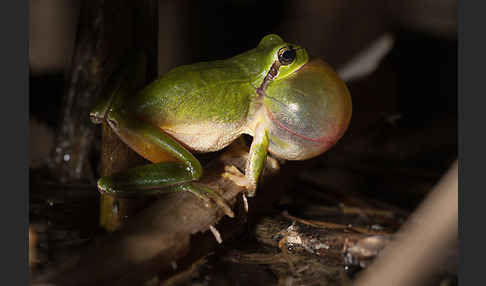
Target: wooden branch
[341, 244]
[163, 233]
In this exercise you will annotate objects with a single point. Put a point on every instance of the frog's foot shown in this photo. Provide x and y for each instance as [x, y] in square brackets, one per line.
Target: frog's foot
[207, 195]
[232, 173]
[156, 179]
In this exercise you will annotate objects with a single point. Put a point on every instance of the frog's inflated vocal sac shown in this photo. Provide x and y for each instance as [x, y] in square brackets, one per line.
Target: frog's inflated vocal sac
[294, 108]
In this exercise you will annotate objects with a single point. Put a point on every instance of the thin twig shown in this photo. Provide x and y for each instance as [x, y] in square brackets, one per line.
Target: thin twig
[323, 224]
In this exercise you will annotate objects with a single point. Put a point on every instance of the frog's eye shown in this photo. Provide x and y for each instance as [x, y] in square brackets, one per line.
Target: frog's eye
[286, 55]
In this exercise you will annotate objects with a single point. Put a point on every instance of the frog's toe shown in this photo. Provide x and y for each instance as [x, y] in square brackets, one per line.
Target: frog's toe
[105, 185]
[206, 193]
[232, 173]
[220, 202]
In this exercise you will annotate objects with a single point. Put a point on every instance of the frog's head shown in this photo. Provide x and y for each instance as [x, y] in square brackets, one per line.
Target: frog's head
[278, 58]
[307, 107]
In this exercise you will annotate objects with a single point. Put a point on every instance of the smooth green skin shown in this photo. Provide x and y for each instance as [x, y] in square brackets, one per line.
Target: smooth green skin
[201, 107]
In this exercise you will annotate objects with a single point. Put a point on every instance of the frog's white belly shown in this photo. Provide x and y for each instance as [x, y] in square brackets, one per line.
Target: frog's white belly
[205, 137]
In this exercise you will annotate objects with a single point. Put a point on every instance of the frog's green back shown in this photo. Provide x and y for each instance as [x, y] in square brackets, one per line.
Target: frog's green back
[213, 91]
[212, 100]
[204, 105]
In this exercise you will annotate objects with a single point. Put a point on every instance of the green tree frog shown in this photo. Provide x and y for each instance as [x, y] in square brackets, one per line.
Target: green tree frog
[293, 107]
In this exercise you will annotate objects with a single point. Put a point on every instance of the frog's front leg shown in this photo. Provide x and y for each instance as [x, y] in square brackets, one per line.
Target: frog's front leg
[161, 176]
[255, 163]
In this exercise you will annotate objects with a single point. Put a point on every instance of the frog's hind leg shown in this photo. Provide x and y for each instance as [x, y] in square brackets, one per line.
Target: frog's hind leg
[155, 179]
[151, 142]
[148, 179]
[173, 168]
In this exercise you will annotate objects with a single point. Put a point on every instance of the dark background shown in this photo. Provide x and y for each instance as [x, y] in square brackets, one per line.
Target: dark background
[413, 82]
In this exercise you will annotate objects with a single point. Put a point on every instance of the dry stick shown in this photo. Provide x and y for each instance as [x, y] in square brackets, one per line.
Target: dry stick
[331, 225]
[115, 155]
[69, 159]
[103, 38]
[160, 234]
[421, 245]
[107, 31]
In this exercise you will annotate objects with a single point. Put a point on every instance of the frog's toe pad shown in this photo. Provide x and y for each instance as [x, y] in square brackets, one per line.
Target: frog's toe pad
[104, 185]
